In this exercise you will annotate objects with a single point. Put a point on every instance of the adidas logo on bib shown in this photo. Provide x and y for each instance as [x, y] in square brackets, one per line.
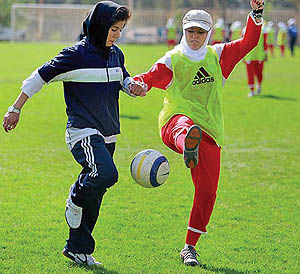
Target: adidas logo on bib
[202, 77]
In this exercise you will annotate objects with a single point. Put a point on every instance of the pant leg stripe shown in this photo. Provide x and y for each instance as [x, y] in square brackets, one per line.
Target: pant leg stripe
[83, 145]
[88, 154]
[94, 172]
[88, 151]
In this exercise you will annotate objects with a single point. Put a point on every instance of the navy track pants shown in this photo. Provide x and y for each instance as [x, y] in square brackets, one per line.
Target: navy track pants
[97, 175]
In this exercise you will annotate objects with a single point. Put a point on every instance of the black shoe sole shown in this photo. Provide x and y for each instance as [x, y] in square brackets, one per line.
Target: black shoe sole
[66, 254]
[191, 144]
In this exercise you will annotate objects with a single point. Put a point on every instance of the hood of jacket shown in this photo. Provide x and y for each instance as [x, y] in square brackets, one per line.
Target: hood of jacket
[97, 23]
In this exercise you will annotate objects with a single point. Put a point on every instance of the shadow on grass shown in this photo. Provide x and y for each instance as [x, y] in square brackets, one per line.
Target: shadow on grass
[270, 96]
[130, 117]
[95, 269]
[227, 270]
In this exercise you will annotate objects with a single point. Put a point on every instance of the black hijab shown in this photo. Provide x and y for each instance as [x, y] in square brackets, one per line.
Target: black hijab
[97, 23]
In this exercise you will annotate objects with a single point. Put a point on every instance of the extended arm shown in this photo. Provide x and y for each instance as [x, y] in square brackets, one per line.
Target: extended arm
[11, 118]
[232, 53]
[235, 51]
[159, 76]
[33, 84]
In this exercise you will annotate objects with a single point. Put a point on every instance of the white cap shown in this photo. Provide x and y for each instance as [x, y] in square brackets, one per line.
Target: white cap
[281, 25]
[197, 18]
[291, 21]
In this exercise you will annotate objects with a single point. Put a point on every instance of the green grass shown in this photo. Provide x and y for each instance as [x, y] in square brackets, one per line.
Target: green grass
[255, 224]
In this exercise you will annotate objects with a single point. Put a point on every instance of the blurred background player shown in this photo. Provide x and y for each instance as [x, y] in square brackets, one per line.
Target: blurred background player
[227, 32]
[270, 37]
[282, 37]
[171, 33]
[218, 32]
[255, 63]
[235, 30]
[292, 35]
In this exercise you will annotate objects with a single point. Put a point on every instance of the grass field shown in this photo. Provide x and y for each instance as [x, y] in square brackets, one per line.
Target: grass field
[255, 226]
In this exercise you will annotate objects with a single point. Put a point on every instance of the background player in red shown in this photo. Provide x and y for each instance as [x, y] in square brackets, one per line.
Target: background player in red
[235, 30]
[270, 37]
[171, 33]
[218, 33]
[282, 37]
[255, 64]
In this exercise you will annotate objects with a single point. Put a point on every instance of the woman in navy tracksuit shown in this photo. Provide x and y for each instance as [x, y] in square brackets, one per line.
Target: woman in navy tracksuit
[93, 73]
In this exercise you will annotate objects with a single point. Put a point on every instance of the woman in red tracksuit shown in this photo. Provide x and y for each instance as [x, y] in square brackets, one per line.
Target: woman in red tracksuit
[191, 122]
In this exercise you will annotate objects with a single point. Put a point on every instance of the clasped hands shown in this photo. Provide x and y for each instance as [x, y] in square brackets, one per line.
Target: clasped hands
[138, 88]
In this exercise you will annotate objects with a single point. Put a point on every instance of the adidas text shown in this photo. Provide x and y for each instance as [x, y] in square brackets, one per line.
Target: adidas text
[203, 81]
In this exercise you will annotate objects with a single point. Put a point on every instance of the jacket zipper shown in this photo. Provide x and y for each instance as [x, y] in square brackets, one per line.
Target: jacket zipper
[107, 73]
[107, 89]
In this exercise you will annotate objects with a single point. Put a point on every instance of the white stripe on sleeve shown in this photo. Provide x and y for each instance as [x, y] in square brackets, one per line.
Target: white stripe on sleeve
[96, 75]
[33, 84]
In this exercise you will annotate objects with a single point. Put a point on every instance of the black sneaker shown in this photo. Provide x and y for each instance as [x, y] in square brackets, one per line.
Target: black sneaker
[191, 145]
[83, 259]
[189, 256]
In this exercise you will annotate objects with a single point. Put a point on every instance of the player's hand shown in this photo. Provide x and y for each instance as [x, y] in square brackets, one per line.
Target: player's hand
[10, 121]
[138, 88]
[257, 4]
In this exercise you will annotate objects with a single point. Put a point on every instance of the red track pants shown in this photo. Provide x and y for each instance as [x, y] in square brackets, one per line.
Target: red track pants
[282, 49]
[205, 175]
[271, 48]
[255, 69]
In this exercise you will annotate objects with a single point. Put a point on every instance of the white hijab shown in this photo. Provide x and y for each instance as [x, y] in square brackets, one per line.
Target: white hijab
[193, 55]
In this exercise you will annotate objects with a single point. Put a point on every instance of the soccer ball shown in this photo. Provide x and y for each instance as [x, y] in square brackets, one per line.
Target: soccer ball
[149, 168]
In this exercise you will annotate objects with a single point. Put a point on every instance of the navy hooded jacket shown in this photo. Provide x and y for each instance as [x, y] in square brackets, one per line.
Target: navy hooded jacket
[92, 75]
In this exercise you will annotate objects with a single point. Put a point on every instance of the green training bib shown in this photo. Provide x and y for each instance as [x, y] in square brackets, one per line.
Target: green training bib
[196, 92]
